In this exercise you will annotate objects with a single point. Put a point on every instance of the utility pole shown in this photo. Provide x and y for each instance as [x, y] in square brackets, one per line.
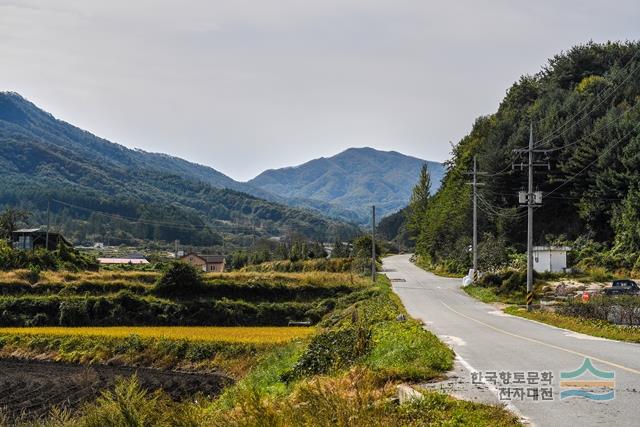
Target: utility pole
[373, 243]
[475, 185]
[532, 199]
[46, 244]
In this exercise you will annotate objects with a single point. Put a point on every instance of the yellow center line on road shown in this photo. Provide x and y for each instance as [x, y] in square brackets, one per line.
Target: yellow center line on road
[533, 340]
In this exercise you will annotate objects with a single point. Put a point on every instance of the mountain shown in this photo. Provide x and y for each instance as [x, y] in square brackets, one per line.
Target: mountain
[101, 189]
[584, 110]
[350, 182]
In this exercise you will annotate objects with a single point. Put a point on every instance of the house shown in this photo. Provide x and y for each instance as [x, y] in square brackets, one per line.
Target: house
[205, 262]
[550, 259]
[34, 238]
[129, 260]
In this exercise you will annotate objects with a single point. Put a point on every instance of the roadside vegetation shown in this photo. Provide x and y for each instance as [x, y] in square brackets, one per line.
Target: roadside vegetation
[593, 327]
[602, 316]
[341, 372]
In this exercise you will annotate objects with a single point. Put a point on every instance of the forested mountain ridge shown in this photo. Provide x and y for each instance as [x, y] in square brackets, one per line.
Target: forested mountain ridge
[354, 180]
[103, 189]
[584, 106]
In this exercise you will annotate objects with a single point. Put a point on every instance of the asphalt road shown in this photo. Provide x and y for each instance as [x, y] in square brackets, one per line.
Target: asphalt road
[486, 340]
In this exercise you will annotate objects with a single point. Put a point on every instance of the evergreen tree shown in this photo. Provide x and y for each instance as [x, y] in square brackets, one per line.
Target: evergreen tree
[419, 201]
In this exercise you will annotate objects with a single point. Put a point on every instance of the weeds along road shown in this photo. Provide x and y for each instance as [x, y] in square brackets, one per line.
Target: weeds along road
[486, 340]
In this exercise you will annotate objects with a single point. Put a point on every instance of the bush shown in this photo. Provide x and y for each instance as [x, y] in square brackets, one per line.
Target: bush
[31, 275]
[505, 282]
[179, 280]
[513, 282]
[332, 350]
[73, 313]
[622, 310]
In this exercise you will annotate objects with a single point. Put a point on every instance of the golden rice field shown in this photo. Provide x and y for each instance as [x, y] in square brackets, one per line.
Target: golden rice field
[231, 334]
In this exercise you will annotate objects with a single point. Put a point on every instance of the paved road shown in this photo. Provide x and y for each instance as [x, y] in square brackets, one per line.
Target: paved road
[487, 340]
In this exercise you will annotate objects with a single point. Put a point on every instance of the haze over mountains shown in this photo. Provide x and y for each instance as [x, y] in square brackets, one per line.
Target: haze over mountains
[102, 190]
[133, 194]
[352, 180]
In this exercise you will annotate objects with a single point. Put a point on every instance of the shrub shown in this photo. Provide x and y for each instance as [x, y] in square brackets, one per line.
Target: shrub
[513, 282]
[332, 350]
[31, 275]
[622, 310]
[179, 280]
[73, 313]
[40, 319]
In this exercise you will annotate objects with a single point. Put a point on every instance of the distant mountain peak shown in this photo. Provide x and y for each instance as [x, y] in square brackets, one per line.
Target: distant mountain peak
[352, 180]
[42, 157]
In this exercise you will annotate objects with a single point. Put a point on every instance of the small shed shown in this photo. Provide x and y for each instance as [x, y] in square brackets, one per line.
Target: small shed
[550, 259]
[34, 238]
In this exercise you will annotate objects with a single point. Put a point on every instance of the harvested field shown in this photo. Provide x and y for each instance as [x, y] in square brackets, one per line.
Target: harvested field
[254, 335]
[29, 388]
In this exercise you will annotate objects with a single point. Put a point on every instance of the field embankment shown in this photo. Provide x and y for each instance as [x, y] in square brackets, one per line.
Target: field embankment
[343, 371]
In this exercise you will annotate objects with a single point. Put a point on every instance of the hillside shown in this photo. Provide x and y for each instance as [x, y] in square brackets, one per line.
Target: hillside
[585, 109]
[352, 180]
[104, 189]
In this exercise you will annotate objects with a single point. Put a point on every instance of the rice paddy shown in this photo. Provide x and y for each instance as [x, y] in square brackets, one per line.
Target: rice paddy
[252, 335]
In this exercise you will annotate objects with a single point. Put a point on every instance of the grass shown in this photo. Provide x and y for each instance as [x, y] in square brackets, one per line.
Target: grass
[439, 269]
[488, 295]
[596, 328]
[405, 351]
[354, 392]
[346, 381]
[355, 399]
[254, 335]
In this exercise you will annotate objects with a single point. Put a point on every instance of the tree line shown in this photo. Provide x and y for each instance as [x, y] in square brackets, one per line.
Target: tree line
[584, 106]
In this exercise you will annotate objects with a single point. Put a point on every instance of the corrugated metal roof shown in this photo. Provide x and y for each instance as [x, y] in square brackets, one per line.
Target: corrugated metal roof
[122, 261]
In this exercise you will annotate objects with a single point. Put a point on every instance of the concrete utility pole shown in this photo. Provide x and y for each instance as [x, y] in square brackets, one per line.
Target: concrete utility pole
[373, 243]
[532, 199]
[475, 185]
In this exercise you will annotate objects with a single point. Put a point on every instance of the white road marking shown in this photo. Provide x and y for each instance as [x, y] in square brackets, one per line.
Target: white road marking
[583, 336]
[494, 390]
[451, 340]
[499, 313]
[546, 344]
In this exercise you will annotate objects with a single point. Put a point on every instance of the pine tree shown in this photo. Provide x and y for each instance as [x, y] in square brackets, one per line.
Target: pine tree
[419, 202]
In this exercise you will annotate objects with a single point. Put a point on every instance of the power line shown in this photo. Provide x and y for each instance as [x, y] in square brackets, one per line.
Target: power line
[560, 131]
[173, 225]
[606, 151]
[609, 123]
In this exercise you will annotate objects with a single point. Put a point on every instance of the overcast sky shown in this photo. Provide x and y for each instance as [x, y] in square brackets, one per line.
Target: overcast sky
[244, 86]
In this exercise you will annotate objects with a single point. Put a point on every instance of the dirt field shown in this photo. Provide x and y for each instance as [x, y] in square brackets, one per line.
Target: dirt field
[30, 388]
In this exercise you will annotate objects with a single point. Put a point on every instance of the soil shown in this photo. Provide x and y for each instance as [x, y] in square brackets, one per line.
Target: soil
[30, 388]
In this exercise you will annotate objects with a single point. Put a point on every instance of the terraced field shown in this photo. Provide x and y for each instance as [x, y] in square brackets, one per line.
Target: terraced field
[30, 388]
[232, 334]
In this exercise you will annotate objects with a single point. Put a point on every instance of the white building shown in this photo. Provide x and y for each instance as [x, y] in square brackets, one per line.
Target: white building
[550, 259]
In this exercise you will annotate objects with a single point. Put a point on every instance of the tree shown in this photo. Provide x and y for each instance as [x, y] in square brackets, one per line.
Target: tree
[626, 223]
[9, 220]
[340, 250]
[181, 279]
[419, 201]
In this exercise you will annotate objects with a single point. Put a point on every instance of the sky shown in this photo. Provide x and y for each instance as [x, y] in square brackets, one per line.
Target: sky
[244, 86]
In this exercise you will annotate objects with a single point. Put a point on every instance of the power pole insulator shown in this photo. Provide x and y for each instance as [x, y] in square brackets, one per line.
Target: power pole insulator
[531, 199]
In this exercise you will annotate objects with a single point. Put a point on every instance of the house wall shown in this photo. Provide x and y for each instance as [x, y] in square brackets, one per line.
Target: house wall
[215, 267]
[196, 262]
[549, 261]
